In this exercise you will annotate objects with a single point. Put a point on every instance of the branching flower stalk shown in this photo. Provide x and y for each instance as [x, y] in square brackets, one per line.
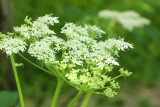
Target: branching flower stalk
[81, 58]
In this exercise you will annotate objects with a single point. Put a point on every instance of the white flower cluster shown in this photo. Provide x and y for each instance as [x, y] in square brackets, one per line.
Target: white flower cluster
[119, 44]
[94, 57]
[76, 52]
[94, 31]
[48, 19]
[82, 46]
[101, 54]
[82, 33]
[43, 50]
[129, 19]
[38, 28]
[11, 46]
[83, 58]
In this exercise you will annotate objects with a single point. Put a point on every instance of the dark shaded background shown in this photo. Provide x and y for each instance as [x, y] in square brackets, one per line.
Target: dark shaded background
[142, 89]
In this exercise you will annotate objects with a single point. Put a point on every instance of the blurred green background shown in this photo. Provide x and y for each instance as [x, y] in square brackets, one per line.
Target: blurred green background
[142, 89]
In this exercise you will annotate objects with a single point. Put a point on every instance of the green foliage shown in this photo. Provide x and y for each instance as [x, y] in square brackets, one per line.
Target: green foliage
[124, 72]
[143, 60]
[82, 48]
[8, 99]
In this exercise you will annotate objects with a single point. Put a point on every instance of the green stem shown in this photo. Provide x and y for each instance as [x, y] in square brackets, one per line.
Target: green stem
[86, 99]
[17, 80]
[35, 64]
[51, 70]
[56, 94]
[75, 99]
[116, 77]
[60, 75]
[98, 93]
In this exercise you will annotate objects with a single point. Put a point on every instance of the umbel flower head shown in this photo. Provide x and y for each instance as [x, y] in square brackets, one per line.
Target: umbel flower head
[92, 59]
[38, 28]
[11, 45]
[128, 19]
[83, 58]
[27, 33]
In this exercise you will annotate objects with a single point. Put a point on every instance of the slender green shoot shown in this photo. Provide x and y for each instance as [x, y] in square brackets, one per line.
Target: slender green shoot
[86, 99]
[75, 99]
[35, 64]
[57, 92]
[17, 80]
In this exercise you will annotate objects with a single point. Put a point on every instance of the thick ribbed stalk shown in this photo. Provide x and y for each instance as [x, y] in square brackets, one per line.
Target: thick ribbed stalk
[75, 99]
[57, 92]
[86, 99]
[17, 80]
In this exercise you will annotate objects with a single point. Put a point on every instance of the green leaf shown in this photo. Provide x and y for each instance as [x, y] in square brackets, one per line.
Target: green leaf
[8, 99]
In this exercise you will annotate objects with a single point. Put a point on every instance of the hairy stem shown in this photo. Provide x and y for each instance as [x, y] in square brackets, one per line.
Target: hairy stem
[75, 99]
[86, 99]
[17, 80]
[57, 92]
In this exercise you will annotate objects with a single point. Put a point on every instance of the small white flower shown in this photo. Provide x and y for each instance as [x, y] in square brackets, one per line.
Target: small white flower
[100, 65]
[24, 30]
[42, 49]
[38, 28]
[48, 19]
[97, 32]
[85, 33]
[11, 45]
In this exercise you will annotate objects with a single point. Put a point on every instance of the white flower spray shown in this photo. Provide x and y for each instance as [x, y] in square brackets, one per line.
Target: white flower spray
[83, 59]
[128, 19]
[11, 46]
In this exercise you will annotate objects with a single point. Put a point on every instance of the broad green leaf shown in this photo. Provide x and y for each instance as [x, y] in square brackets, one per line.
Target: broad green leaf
[8, 99]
